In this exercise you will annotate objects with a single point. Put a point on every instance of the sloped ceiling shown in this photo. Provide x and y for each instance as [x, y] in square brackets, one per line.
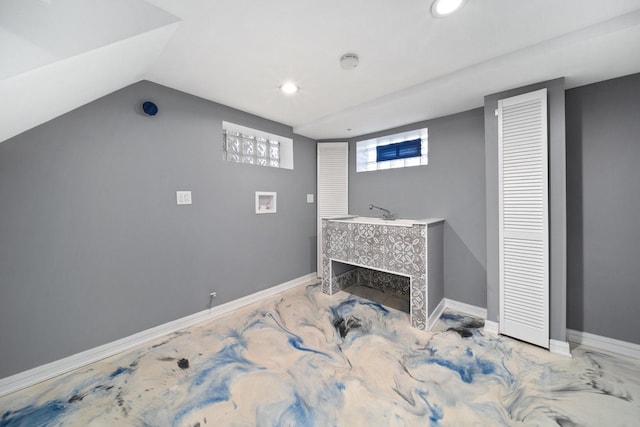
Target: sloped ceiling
[56, 55]
[59, 54]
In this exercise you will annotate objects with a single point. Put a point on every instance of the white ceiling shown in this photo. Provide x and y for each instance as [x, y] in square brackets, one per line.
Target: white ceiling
[237, 52]
[56, 55]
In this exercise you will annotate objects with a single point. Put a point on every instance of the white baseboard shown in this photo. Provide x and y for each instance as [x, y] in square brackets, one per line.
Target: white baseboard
[469, 309]
[560, 347]
[44, 372]
[492, 327]
[603, 343]
[437, 312]
[461, 307]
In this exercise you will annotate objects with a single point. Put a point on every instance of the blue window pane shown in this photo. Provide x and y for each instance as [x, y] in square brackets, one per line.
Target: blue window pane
[400, 150]
[386, 152]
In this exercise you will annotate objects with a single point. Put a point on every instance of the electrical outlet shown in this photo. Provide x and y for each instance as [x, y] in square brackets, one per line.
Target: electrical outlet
[183, 197]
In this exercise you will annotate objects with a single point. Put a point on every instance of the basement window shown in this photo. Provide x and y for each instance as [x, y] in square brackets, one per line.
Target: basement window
[241, 144]
[399, 150]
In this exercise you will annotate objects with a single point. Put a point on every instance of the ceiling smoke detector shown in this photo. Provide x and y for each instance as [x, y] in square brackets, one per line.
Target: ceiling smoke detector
[349, 61]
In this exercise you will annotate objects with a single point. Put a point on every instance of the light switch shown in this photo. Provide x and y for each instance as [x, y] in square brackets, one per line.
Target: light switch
[309, 198]
[183, 197]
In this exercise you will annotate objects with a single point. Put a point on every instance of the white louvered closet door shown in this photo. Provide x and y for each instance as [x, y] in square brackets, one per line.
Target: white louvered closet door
[333, 185]
[524, 217]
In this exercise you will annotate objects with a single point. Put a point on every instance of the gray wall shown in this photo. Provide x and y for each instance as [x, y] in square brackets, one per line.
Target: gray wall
[92, 245]
[557, 203]
[451, 186]
[603, 147]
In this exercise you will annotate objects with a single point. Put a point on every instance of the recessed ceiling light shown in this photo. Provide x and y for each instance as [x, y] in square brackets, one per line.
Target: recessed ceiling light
[289, 88]
[442, 8]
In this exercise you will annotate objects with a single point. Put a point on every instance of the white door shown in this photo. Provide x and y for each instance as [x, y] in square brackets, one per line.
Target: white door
[524, 217]
[333, 185]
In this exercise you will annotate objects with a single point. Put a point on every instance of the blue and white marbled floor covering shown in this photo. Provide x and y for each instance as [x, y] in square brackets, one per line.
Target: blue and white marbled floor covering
[308, 359]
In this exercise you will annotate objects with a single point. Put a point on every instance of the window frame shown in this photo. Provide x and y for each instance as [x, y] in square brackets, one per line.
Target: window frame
[366, 151]
[283, 146]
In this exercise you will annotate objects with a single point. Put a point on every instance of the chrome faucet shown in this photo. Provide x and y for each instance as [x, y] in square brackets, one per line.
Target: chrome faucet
[386, 215]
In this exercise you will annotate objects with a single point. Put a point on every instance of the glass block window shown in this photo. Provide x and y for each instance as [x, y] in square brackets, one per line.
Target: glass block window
[393, 151]
[254, 147]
